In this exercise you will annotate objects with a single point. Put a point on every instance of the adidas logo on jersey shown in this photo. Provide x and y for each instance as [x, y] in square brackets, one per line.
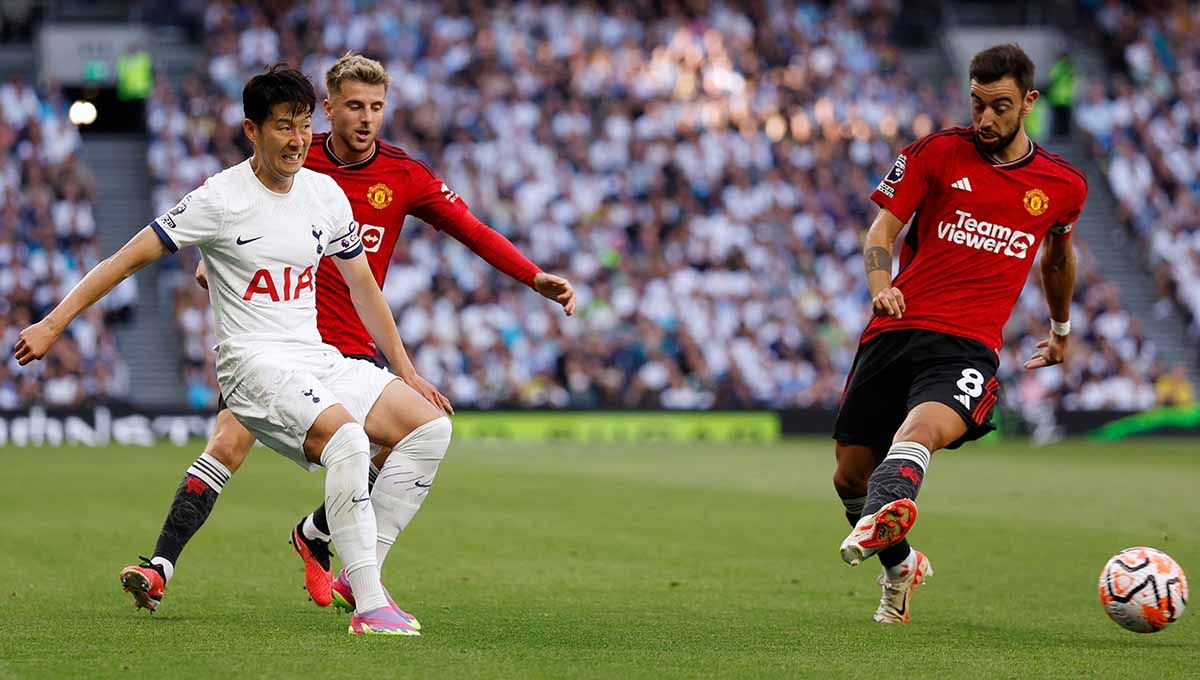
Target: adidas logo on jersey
[987, 236]
[964, 184]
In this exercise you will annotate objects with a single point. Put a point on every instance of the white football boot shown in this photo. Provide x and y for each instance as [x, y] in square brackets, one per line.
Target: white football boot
[895, 603]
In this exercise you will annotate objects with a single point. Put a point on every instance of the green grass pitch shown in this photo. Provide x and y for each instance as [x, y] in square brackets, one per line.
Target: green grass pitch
[605, 561]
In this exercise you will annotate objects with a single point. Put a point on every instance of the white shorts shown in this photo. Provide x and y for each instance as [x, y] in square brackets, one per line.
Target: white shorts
[278, 399]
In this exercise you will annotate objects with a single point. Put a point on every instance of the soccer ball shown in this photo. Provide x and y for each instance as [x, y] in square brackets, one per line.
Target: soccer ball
[1143, 589]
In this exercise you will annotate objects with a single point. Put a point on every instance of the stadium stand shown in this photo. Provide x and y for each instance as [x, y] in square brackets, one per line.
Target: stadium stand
[1144, 126]
[47, 240]
[703, 180]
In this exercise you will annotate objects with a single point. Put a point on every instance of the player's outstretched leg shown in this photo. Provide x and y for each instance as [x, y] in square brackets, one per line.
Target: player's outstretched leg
[890, 510]
[901, 572]
[341, 445]
[855, 465]
[194, 499]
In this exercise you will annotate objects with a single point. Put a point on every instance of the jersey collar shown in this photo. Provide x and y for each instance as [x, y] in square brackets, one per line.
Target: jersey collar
[1011, 165]
[328, 146]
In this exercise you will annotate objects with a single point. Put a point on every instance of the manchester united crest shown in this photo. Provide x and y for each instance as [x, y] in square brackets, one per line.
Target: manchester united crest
[1036, 202]
[380, 196]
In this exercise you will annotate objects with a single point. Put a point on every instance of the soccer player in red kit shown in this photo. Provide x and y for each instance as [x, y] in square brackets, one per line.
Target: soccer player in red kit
[384, 185]
[981, 200]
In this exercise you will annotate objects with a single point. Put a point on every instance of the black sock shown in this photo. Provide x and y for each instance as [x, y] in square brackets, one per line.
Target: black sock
[321, 522]
[853, 505]
[898, 476]
[894, 554]
[194, 500]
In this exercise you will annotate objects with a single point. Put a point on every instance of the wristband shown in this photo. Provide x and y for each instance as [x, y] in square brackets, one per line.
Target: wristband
[1060, 327]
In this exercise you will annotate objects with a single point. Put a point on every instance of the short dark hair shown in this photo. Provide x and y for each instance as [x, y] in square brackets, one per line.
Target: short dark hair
[998, 61]
[280, 84]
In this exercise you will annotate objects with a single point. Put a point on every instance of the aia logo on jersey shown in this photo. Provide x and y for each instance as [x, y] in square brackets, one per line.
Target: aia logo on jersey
[379, 196]
[449, 193]
[1036, 202]
[372, 237]
[897, 172]
[986, 236]
[264, 283]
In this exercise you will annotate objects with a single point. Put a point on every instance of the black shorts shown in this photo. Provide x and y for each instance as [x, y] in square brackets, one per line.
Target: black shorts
[897, 370]
[361, 357]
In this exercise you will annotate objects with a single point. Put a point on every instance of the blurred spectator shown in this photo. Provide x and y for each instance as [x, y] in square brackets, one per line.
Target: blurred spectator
[47, 241]
[701, 177]
[1145, 127]
[1175, 388]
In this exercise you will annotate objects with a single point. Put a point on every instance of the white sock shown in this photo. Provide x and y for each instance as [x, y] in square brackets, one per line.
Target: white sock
[167, 568]
[211, 471]
[351, 517]
[912, 452]
[404, 481]
[904, 568]
[311, 532]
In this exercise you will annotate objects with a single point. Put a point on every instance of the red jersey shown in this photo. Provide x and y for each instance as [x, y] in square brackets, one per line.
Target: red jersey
[976, 227]
[383, 189]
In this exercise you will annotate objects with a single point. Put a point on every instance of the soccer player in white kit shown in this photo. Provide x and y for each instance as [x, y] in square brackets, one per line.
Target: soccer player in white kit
[263, 227]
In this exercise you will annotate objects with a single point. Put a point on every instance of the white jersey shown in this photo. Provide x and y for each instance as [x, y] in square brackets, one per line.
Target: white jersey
[261, 250]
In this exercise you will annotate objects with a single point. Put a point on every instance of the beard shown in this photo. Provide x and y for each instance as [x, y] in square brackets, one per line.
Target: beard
[1001, 143]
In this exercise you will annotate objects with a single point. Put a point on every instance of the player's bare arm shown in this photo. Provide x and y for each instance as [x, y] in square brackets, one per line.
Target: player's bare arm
[202, 275]
[886, 300]
[1058, 283]
[377, 317]
[141, 250]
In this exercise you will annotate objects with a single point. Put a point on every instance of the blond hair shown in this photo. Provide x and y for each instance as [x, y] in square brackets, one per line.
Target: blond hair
[357, 68]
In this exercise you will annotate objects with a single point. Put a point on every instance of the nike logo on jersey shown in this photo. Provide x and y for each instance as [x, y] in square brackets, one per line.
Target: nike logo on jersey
[963, 184]
[360, 500]
[242, 242]
[423, 486]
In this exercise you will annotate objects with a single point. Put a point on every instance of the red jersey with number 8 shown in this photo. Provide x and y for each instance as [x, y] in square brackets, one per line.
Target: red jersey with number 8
[975, 231]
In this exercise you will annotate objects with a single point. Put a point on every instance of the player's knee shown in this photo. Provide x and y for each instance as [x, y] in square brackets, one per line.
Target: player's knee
[348, 444]
[430, 440]
[850, 482]
[854, 467]
[928, 434]
[229, 448]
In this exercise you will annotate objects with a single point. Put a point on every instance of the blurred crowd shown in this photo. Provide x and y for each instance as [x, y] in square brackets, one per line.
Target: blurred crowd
[47, 241]
[702, 179]
[1144, 124]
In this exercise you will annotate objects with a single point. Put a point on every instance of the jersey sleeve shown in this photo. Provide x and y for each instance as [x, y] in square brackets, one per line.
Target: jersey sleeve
[1066, 223]
[907, 183]
[344, 240]
[446, 211]
[196, 220]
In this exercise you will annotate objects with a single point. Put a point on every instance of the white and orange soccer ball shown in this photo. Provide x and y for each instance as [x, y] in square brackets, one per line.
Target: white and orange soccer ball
[1143, 589]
